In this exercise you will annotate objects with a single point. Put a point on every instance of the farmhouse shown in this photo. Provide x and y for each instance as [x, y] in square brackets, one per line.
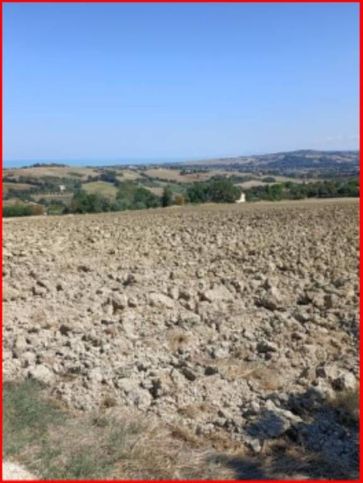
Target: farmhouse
[242, 198]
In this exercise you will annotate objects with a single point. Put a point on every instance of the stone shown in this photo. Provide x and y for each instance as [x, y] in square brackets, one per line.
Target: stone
[127, 385]
[174, 292]
[220, 353]
[266, 346]
[95, 375]
[20, 345]
[211, 370]
[161, 300]
[273, 421]
[119, 302]
[253, 443]
[216, 294]
[346, 381]
[41, 374]
[140, 398]
[189, 374]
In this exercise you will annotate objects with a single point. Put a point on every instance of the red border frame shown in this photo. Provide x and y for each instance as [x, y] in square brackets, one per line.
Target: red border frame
[179, 1]
[360, 201]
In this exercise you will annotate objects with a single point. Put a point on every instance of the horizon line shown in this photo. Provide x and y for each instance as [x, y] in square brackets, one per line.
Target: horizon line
[155, 159]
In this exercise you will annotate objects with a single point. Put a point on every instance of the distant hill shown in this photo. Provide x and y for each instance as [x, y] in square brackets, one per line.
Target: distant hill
[46, 165]
[293, 161]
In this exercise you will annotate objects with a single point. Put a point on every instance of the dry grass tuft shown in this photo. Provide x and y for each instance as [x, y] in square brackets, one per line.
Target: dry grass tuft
[347, 403]
[178, 339]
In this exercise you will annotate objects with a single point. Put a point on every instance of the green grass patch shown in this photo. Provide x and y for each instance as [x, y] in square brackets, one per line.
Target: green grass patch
[53, 443]
[26, 416]
[102, 188]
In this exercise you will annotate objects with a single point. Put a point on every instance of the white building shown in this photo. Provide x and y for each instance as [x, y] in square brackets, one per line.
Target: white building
[242, 198]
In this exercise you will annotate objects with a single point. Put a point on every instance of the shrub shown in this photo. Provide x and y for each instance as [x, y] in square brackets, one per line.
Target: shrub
[37, 209]
[17, 210]
[179, 200]
[109, 176]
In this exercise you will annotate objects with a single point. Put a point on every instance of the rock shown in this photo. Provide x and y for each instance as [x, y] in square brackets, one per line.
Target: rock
[269, 303]
[331, 300]
[253, 443]
[20, 345]
[140, 398]
[273, 422]
[216, 294]
[130, 279]
[133, 301]
[340, 379]
[178, 379]
[346, 381]
[249, 335]
[40, 291]
[266, 346]
[252, 409]
[129, 321]
[41, 374]
[161, 300]
[185, 294]
[127, 385]
[65, 329]
[189, 319]
[272, 300]
[84, 268]
[28, 358]
[189, 374]
[220, 353]
[95, 375]
[174, 293]
[211, 370]
[164, 381]
[119, 302]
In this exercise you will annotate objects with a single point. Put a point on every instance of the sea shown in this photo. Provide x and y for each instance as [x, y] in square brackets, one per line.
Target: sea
[95, 162]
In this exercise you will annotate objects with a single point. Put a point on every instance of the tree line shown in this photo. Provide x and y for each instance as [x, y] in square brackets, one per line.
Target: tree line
[132, 196]
[295, 191]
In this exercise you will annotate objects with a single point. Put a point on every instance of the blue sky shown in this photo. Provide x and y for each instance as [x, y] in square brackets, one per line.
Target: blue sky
[117, 81]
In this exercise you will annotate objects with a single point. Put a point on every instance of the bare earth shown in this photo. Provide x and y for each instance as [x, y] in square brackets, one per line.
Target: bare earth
[235, 322]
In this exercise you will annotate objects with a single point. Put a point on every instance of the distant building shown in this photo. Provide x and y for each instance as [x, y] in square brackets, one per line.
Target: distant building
[241, 199]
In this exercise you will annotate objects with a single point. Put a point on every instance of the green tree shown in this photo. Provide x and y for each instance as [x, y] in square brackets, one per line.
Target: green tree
[143, 198]
[83, 202]
[218, 190]
[167, 197]
[133, 197]
[223, 191]
[197, 193]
